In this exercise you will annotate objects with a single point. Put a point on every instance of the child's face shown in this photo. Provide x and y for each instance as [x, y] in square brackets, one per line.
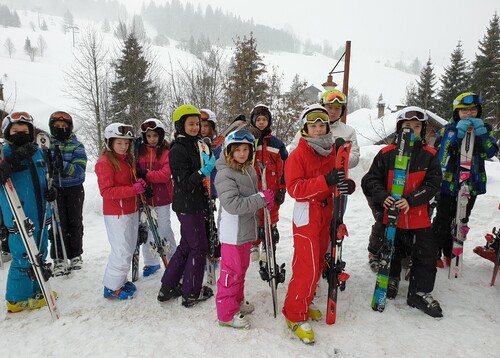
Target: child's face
[206, 129]
[316, 129]
[120, 145]
[467, 112]
[261, 122]
[333, 112]
[416, 125]
[192, 126]
[19, 128]
[241, 153]
[152, 137]
[60, 124]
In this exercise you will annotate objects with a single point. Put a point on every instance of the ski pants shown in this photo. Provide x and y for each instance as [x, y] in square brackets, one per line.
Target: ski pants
[235, 260]
[19, 286]
[311, 236]
[122, 237]
[70, 208]
[190, 257]
[422, 247]
[165, 232]
[445, 214]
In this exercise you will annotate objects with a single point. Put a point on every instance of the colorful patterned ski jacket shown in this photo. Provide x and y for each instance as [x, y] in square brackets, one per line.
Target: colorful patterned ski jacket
[74, 162]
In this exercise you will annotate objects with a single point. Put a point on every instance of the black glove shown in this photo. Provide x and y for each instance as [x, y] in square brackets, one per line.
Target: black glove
[335, 176]
[140, 173]
[279, 198]
[50, 195]
[346, 187]
[58, 160]
[5, 172]
[21, 153]
[148, 193]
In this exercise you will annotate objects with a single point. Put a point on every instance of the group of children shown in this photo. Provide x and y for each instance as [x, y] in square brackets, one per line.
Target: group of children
[173, 176]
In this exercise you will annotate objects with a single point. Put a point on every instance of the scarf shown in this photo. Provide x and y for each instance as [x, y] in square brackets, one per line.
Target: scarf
[323, 145]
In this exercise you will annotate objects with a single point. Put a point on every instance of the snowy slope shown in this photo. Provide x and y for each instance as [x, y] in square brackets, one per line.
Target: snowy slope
[142, 327]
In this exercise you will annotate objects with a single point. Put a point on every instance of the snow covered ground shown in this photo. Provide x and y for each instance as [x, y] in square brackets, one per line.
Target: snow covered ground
[93, 326]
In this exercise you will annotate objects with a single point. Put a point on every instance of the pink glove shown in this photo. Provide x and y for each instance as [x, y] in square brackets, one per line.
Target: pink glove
[269, 196]
[140, 186]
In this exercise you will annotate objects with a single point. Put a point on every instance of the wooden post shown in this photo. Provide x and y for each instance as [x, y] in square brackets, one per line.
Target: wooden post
[345, 85]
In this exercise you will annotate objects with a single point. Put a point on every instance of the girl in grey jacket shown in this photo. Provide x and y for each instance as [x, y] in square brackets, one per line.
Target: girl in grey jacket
[236, 184]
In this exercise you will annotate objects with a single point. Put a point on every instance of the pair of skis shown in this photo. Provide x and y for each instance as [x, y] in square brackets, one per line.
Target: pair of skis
[404, 147]
[41, 270]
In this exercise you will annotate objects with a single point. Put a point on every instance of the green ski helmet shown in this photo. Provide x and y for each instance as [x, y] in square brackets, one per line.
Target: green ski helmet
[467, 100]
[180, 114]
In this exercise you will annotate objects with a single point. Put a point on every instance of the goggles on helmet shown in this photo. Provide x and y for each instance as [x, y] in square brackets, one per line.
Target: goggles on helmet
[204, 115]
[241, 135]
[151, 125]
[63, 116]
[469, 100]
[261, 111]
[314, 116]
[20, 116]
[125, 130]
[333, 97]
[413, 114]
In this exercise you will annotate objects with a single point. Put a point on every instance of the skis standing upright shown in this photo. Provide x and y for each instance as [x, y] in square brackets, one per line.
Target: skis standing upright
[404, 146]
[459, 228]
[217, 142]
[40, 271]
[449, 138]
[213, 236]
[336, 276]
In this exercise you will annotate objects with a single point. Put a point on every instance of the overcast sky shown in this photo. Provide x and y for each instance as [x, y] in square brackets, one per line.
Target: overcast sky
[390, 28]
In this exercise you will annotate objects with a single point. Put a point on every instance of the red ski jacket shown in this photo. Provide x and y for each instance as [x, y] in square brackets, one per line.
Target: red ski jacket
[158, 175]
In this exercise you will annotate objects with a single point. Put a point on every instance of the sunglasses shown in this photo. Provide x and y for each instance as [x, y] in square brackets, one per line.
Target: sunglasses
[126, 130]
[470, 99]
[61, 116]
[335, 97]
[148, 126]
[241, 135]
[409, 115]
[20, 116]
[204, 116]
[314, 116]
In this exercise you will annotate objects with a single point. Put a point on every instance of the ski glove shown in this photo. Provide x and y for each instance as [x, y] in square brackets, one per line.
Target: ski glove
[462, 127]
[479, 128]
[50, 194]
[140, 173]
[279, 198]
[5, 172]
[346, 187]
[21, 153]
[335, 177]
[148, 193]
[209, 164]
[58, 160]
[269, 197]
[140, 186]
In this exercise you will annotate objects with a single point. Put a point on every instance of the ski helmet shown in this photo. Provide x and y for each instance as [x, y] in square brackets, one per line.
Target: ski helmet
[61, 133]
[334, 98]
[467, 100]
[240, 136]
[180, 114]
[153, 124]
[209, 116]
[18, 117]
[314, 113]
[117, 130]
[412, 113]
[261, 110]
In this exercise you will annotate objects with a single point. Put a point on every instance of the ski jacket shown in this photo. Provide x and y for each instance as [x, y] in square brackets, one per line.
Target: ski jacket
[189, 195]
[484, 147]
[119, 196]
[305, 176]
[240, 202]
[74, 162]
[422, 183]
[158, 175]
[339, 130]
[271, 152]
[30, 184]
[216, 152]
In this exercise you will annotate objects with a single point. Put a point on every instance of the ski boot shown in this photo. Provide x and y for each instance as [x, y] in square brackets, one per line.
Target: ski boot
[302, 329]
[239, 321]
[425, 303]
[205, 294]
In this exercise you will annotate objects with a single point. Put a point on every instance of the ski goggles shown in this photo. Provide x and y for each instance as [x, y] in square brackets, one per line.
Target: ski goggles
[21, 117]
[335, 97]
[469, 100]
[314, 116]
[261, 111]
[204, 116]
[62, 116]
[413, 114]
[125, 130]
[151, 125]
[241, 135]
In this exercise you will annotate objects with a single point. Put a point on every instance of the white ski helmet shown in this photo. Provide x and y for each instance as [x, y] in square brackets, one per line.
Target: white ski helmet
[153, 124]
[208, 115]
[239, 136]
[117, 130]
[410, 113]
[312, 114]
[18, 117]
[261, 110]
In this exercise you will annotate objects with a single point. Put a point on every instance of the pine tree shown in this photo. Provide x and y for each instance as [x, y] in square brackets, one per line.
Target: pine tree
[487, 72]
[455, 80]
[425, 87]
[133, 93]
[246, 84]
